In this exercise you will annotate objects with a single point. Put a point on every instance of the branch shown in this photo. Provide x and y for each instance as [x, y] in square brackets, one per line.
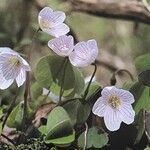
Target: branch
[131, 10]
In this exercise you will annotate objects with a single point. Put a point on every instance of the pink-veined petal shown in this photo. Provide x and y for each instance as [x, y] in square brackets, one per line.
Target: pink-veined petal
[21, 77]
[107, 91]
[92, 44]
[45, 11]
[57, 31]
[125, 96]
[57, 18]
[48, 18]
[99, 107]
[84, 53]
[127, 113]
[4, 84]
[62, 45]
[9, 70]
[112, 119]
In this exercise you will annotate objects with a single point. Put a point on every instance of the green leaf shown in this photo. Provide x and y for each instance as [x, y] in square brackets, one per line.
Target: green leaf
[142, 63]
[148, 148]
[128, 85]
[144, 77]
[79, 81]
[77, 111]
[43, 129]
[94, 139]
[1, 123]
[49, 74]
[1, 115]
[58, 121]
[36, 90]
[93, 88]
[137, 90]
[143, 101]
[140, 125]
[15, 118]
[63, 140]
[58, 129]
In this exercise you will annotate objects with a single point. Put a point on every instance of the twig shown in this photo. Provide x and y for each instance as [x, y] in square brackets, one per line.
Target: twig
[126, 10]
[146, 5]
[11, 141]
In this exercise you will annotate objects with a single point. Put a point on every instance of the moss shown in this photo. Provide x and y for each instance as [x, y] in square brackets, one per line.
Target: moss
[32, 144]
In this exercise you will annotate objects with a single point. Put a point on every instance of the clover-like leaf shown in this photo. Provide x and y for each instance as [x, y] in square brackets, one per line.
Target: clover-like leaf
[52, 72]
[58, 129]
[77, 111]
[142, 96]
[142, 62]
[94, 139]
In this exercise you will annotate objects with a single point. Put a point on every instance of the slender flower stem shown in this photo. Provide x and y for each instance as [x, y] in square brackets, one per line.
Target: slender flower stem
[62, 82]
[69, 100]
[113, 78]
[85, 136]
[87, 89]
[10, 109]
[59, 70]
[27, 86]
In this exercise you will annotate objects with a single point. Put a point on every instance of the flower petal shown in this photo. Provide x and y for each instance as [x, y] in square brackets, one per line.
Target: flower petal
[7, 50]
[57, 31]
[125, 96]
[107, 91]
[99, 107]
[21, 77]
[63, 45]
[25, 65]
[84, 53]
[8, 69]
[112, 119]
[48, 19]
[57, 18]
[127, 113]
[45, 11]
[4, 84]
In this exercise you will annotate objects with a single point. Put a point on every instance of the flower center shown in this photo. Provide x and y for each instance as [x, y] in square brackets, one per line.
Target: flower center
[45, 24]
[64, 47]
[14, 61]
[114, 101]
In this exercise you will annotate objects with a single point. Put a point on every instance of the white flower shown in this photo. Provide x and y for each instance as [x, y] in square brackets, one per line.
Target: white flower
[62, 45]
[115, 106]
[12, 67]
[84, 53]
[51, 22]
